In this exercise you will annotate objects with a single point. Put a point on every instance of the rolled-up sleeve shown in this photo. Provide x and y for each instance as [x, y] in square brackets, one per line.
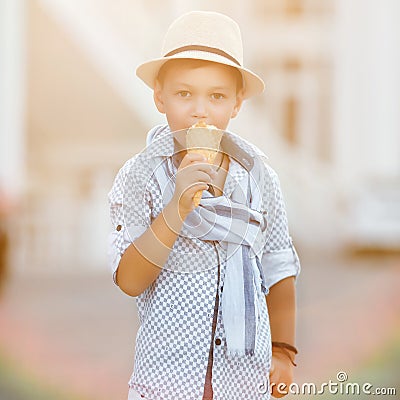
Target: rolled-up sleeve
[279, 258]
[130, 212]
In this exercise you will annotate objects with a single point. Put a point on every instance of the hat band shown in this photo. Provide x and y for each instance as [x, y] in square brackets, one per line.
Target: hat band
[203, 48]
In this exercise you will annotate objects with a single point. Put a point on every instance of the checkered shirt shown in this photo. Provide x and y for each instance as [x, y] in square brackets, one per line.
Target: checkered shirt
[176, 311]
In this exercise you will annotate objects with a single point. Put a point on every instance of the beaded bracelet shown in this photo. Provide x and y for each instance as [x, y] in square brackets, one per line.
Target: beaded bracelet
[285, 347]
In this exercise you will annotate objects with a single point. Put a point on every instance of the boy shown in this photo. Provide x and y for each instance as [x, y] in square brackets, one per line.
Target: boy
[200, 275]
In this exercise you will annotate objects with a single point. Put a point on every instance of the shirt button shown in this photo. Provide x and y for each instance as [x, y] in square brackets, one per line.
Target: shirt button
[119, 227]
[218, 341]
[222, 288]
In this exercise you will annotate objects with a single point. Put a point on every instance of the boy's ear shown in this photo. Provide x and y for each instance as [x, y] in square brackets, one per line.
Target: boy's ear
[238, 105]
[157, 96]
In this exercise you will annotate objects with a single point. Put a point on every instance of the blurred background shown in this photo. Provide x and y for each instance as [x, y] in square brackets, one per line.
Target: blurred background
[71, 113]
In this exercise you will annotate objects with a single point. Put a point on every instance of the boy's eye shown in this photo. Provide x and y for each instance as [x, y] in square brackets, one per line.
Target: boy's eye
[217, 96]
[184, 93]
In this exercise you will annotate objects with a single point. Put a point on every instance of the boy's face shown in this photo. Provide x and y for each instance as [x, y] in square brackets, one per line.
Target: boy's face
[205, 91]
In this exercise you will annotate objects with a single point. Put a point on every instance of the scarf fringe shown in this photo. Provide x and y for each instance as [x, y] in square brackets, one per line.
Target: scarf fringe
[239, 353]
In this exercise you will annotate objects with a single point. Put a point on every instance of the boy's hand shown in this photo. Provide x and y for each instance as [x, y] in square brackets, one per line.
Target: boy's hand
[194, 174]
[281, 373]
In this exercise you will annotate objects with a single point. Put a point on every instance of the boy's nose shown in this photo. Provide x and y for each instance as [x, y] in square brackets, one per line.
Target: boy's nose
[200, 109]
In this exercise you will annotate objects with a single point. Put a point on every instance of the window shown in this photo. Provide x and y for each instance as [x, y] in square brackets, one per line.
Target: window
[293, 8]
[290, 115]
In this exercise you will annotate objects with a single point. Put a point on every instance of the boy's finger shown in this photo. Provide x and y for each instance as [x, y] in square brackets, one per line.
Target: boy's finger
[190, 158]
[191, 190]
[201, 176]
[200, 166]
[196, 187]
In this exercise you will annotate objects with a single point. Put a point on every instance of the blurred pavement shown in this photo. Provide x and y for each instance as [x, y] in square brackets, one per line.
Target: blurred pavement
[78, 332]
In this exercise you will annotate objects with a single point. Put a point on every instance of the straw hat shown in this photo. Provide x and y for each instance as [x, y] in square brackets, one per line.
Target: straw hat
[203, 35]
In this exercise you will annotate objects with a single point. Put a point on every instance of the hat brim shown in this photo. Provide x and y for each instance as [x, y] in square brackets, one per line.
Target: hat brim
[252, 83]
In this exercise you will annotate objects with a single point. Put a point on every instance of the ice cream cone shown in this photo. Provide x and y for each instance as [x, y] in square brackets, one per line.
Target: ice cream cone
[205, 140]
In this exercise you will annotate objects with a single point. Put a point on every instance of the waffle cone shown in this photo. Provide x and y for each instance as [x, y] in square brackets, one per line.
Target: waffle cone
[205, 140]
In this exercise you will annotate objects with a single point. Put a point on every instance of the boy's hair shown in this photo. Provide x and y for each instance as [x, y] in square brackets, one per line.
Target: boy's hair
[195, 63]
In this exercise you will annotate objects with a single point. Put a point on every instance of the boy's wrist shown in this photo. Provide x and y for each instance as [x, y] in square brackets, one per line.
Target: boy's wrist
[284, 351]
[283, 357]
[177, 209]
[173, 216]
